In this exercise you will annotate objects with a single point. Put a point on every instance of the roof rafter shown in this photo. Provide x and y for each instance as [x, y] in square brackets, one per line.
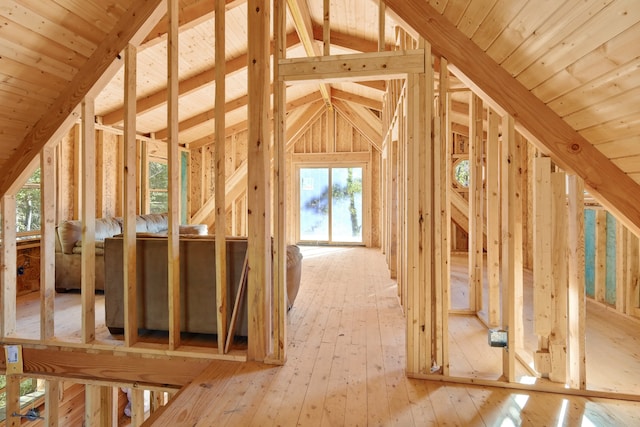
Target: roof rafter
[302, 21]
[96, 72]
[534, 119]
[205, 78]
[191, 15]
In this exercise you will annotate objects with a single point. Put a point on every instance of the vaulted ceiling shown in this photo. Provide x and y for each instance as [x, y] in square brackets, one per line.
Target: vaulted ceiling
[578, 60]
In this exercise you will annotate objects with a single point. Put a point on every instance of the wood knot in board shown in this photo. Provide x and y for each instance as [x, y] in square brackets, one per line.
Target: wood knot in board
[575, 148]
[205, 385]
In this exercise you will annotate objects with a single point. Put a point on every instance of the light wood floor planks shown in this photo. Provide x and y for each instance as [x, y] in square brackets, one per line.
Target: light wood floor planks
[346, 359]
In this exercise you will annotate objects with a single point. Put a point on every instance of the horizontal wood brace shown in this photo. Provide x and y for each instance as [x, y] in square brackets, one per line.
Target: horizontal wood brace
[353, 67]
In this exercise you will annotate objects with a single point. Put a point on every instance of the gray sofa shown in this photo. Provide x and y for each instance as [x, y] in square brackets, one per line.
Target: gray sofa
[69, 245]
[197, 282]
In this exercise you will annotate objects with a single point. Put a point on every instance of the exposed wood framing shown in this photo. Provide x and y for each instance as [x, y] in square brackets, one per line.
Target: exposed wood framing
[381, 25]
[96, 72]
[493, 218]
[442, 229]
[51, 402]
[576, 301]
[326, 27]
[130, 199]
[258, 198]
[299, 10]
[535, 120]
[12, 390]
[558, 338]
[220, 168]
[88, 216]
[140, 367]
[137, 407]
[509, 206]
[173, 244]
[279, 344]
[476, 196]
[363, 120]
[192, 14]
[8, 265]
[352, 67]
[621, 266]
[600, 267]
[542, 283]
[91, 405]
[47, 241]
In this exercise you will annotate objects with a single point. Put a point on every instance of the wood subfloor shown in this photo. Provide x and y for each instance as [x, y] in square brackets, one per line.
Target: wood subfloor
[346, 359]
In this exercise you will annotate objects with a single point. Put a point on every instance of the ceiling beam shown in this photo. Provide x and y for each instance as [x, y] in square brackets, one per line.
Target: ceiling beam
[205, 78]
[374, 104]
[235, 104]
[540, 124]
[299, 10]
[348, 41]
[191, 14]
[353, 67]
[91, 78]
[244, 125]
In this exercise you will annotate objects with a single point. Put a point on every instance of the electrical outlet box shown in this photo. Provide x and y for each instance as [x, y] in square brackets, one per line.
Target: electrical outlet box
[497, 338]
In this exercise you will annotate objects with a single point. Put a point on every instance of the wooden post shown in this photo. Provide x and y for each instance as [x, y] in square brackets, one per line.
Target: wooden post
[88, 214]
[493, 218]
[420, 218]
[173, 243]
[542, 282]
[8, 263]
[108, 411]
[600, 267]
[622, 279]
[577, 309]
[12, 390]
[219, 147]
[91, 405]
[51, 402]
[326, 29]
[47, 241]
[137, 407]
[442, 222]
[130, 201]
[279, 342]
[258, 157]
[633, 265]
[558, 336]
[509, 207]
[382, 8]
[475, 203]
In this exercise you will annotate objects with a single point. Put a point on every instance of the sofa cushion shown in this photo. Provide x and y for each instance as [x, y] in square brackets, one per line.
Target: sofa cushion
[69, 232]
[107, 227]
[152, 223]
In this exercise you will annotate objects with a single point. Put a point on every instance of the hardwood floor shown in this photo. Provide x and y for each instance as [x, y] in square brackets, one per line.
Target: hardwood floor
[346, 359]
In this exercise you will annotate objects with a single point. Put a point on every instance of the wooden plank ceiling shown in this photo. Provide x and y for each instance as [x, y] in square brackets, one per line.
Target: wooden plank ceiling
[579, 57]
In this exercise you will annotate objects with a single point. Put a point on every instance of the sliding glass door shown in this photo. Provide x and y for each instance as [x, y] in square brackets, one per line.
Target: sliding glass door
[330, 216]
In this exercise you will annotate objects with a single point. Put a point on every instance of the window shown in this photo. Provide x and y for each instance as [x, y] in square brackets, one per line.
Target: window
[28, 207]
[158, 187]
[330, 216]
[30, 391]
[461, 173]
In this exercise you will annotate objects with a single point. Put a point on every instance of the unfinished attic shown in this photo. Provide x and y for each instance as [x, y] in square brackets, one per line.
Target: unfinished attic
[424, 212]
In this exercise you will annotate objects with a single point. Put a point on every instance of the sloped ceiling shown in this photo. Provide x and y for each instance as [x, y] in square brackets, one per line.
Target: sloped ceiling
[568, 71]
